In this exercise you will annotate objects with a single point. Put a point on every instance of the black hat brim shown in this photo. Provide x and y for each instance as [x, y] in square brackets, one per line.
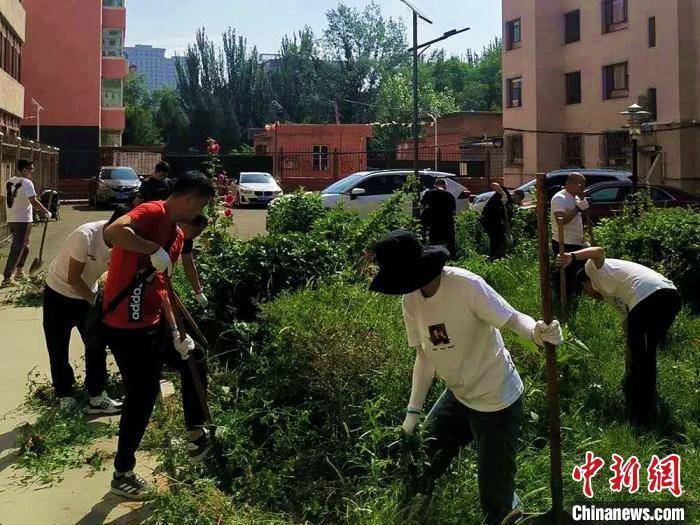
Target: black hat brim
[394, 281]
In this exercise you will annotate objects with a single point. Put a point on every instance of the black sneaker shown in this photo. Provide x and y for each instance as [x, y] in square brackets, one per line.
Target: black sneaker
[130, 486]
[200, 447]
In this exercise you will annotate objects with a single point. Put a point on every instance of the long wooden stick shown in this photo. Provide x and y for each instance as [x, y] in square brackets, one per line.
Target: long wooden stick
[196, 379]
[555, 474]
[193, 324]
[562, 271]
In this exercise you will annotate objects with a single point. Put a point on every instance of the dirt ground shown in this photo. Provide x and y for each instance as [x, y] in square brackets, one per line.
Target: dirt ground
[82, 497]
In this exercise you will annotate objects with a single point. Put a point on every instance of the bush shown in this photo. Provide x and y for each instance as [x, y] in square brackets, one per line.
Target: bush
[667, 240]
[294, 213]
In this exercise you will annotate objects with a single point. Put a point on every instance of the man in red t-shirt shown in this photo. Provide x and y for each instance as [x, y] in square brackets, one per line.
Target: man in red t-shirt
[146, 237]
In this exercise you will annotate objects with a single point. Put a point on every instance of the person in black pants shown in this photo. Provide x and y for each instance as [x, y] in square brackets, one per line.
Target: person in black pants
[497, 217]
[147, 238]
[649, 301]
[70, 291]
[438, 216]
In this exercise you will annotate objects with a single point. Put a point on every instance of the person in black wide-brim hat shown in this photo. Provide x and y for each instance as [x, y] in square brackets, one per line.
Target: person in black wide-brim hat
[453, 318]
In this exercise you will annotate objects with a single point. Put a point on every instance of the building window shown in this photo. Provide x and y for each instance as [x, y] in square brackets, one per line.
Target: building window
[615, 149]
[573, 87]
[320, 158]
[651, 103]
[10, 52]
[652, 31]
[572, 151]
[112, 43]
[513, 34]
[572, 26]
[615, 81]
[514, 92]
[614, 15]
[514, 149]
[111, 139]
[112, 93]
[113, 3]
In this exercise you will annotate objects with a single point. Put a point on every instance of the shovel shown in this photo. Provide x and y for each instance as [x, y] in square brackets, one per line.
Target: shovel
[556, 515]
[562, 271]
[39, 261]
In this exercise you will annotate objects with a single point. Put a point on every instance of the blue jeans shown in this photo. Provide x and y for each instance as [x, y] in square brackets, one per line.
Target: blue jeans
[451, 425]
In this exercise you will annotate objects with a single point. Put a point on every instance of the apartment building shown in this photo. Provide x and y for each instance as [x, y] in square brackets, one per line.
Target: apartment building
[150, 62]
[73, 66]
[571, 66]
[12, 36]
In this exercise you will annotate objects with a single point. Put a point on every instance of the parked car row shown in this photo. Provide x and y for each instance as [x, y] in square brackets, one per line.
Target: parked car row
[120, 184]
[365, 191]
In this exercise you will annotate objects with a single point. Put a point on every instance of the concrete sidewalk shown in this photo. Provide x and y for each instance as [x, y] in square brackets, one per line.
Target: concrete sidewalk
[82, 497]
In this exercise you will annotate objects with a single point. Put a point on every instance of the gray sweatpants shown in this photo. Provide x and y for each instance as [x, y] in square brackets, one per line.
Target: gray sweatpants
[19, 249]
[450, 425]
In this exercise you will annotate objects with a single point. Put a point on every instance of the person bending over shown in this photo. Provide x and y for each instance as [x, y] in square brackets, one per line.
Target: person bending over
[146, 237]
[453, 320]
[648, 301]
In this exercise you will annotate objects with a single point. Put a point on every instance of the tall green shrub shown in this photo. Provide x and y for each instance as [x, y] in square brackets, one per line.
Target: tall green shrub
[667, 240]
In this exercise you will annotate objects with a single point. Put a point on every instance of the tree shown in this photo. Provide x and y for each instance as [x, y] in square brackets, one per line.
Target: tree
[297, 81]
[171, 119]
[141, 128]
[360, 47]
[395, 105]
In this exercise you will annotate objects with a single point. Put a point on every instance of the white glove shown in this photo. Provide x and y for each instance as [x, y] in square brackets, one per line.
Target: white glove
[547, 333]
[183, 346]
[410, 423]
[201, 299]
[582, 204]
[160, 260]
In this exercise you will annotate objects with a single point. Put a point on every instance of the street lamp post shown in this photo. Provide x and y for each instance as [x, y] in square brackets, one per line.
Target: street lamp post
[417, 47]
[434, 116]
[39, 109]
[635, 116]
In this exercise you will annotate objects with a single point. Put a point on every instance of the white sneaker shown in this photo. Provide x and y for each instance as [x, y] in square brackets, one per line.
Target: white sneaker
[67, 403]
[103, 404]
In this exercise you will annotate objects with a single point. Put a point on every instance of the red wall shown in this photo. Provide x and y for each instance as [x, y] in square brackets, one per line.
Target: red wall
[61, 61]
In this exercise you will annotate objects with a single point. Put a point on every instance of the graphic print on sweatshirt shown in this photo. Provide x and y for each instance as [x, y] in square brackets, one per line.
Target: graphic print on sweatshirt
[12, 190]
[439, 337]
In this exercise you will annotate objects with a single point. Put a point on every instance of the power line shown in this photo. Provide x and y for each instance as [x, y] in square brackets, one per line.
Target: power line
[673, 126]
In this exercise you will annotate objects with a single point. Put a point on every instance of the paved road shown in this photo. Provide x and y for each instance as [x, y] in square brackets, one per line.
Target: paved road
[248, 223]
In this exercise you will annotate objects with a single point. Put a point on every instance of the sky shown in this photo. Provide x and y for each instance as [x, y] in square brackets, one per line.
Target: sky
[172, 23]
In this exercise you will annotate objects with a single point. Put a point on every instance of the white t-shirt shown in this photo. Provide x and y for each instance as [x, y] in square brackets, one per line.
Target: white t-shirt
[625, 283]
[85, 244]
[17, 192]
[458, 331]
[564, 202]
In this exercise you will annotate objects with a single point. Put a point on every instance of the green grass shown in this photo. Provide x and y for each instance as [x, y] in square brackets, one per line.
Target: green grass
[58, 440]
[311, 409]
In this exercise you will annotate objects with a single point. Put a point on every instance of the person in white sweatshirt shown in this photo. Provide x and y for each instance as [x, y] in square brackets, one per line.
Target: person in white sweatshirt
[648, 301]
[453, 320]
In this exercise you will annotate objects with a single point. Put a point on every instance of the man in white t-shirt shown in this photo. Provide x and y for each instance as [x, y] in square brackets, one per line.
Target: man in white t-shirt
[650, 303]
[70, 292]
[453, 320]
[569, 204]
[20, 198]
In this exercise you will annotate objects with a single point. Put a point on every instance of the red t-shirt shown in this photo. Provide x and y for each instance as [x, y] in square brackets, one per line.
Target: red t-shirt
[143, 306]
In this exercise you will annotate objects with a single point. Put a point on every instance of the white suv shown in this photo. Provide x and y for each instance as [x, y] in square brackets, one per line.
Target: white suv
[365, 191]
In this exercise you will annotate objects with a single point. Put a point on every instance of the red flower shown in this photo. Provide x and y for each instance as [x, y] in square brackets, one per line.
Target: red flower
[230, 198]
[228, 212]
[213, 148]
